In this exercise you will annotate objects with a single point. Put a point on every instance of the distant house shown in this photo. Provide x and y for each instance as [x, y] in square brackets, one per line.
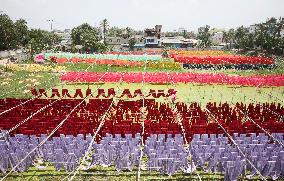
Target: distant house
[253, 28]
[152, 37]
[66, 39]
[217, 37]
[178, 42]
[116, 42]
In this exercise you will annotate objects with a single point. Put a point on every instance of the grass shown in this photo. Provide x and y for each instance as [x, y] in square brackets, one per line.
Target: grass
[109, 173]
[18, 84]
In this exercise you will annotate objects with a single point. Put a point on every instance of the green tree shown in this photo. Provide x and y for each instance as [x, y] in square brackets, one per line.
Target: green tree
[190, 34]
[21, 32]
[87, 36]
[241, 37]
[273, 36]
[7, 33]
[204, 36]
[128, 32]
[115, 32]
[131, 43]
[105, 26]
[228, 37]
[40, 40]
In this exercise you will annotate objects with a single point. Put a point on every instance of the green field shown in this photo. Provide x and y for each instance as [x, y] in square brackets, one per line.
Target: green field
[110, 174]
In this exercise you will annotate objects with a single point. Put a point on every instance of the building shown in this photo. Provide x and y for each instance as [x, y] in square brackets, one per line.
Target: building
[181, 30]
[64, 35]
[116, 42]
[66, 39]
[178, 42]
[217, 37]
[152, 37]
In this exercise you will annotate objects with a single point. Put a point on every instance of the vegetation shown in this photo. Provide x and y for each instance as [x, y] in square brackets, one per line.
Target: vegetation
[265, 37]
[204, 36]
[40, 40]
[12, 34]
[18, 84]
[16, 34]
[131, 43]
[109, 173]
[88, 37]
[105, 26]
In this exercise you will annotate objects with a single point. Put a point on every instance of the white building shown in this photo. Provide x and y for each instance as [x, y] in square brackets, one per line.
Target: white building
[252, 28]
[178, 42]
[217, 37]
[65, 36]
[181, 30]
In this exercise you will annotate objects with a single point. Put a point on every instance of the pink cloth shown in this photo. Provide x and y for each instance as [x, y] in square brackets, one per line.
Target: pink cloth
[39, 58]
[162, 77]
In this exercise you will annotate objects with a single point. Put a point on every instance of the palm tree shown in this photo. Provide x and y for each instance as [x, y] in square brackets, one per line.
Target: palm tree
[104, 25]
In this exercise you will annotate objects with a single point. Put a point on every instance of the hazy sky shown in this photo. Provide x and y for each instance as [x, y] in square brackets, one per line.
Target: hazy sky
[140, 14]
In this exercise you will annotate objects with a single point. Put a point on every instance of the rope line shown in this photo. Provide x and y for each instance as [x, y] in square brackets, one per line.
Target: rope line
[143, 116]
[181, 125]
[230, 137]
[53, 131]
[32, 115]
[88, 151]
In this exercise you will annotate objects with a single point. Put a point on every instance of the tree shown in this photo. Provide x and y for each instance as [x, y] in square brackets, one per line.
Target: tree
[87, 36]
[115, 32]
[12, 35]
[21, 32]
[204, 36]
[7, 40]
[105, 26]
[131, 43]
[190, 34]
[40, 40]
[228, 37]
[128, 32]
[240, 37]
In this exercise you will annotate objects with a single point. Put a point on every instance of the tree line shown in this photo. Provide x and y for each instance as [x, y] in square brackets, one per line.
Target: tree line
[16, 34]
[94, 39]
[265, 37]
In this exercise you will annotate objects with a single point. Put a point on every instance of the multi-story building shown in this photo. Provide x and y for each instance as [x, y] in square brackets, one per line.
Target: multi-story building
[152, 37]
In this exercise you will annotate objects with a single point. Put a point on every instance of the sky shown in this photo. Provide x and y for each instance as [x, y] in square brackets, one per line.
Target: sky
[141, 14]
